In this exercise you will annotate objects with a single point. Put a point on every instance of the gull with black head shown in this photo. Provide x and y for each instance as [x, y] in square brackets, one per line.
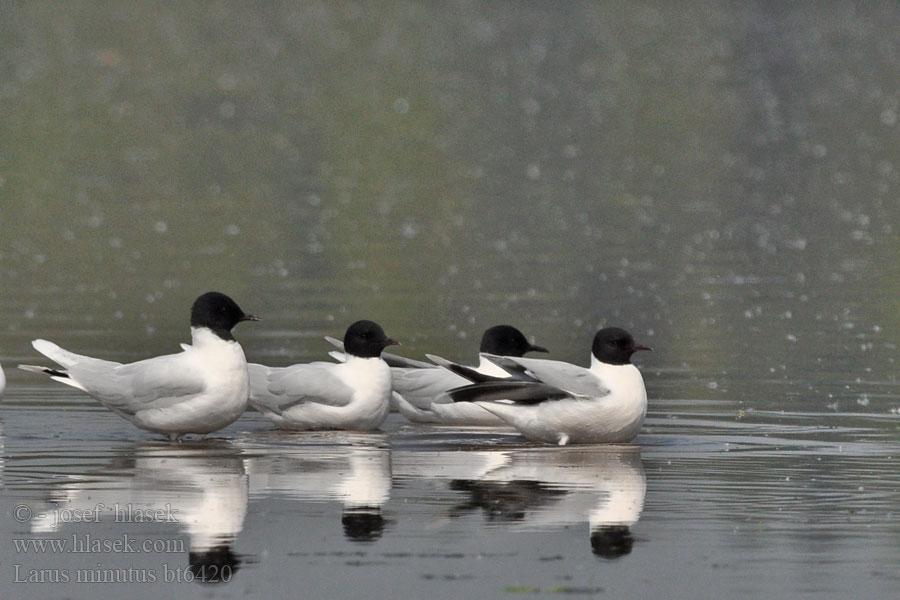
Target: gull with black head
[419, 393]
[354, 394]
[560, 403]
[199, 390]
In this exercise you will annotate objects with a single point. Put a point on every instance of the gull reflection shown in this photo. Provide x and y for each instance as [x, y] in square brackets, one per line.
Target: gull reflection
[538, 488]
[200, 486]
[351, 468]
[441, 465]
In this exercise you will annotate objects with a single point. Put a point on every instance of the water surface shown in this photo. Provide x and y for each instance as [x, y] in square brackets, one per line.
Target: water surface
[720, 180]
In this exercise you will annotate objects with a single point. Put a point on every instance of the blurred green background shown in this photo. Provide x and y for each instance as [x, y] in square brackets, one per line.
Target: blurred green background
[721, 178]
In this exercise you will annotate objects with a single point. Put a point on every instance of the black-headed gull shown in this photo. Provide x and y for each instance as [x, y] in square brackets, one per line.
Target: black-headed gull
[200, 390]
[418, 392]
[354, 394]
[560, 403]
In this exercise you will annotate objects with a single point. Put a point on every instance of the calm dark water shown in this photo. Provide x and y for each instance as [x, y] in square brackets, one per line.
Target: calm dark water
[721, 180]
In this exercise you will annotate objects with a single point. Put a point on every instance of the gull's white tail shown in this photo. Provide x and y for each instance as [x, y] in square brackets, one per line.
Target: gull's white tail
[57, 354]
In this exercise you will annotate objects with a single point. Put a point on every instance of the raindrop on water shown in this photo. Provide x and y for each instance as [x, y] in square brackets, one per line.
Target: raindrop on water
[401, 106]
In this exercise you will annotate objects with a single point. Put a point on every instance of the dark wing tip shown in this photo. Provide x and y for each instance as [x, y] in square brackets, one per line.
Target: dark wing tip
[46, 370]
[520, 392]
[466, 372]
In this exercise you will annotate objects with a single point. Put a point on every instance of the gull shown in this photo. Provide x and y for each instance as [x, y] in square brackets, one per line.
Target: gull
[354, 394]
[419, 386]
[199, 390]
[560, 403]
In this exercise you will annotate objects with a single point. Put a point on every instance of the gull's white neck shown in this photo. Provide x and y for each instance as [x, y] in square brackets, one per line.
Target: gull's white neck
[617, 377]
[361, 360]
[201, 336]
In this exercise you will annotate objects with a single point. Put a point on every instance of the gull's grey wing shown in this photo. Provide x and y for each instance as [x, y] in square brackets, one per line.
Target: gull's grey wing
[468, 372]
[392, 360]
[335, 342]
[520, 392]
[513, 370]
[278, 389]
[157, 382]
[571, 378]
[402, 362]
[420, 387]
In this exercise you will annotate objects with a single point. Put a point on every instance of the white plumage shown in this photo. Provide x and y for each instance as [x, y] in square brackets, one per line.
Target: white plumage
[418, 396]
[353, 394]
[419, 391]
[199, 390]
[559, 403]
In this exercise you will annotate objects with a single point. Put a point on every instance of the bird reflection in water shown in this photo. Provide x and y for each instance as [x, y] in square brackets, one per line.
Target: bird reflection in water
[363, 524]
[215, 565]
[612, 541]
[507, 501]
[547, 488]
[351, 468]
[202, 485]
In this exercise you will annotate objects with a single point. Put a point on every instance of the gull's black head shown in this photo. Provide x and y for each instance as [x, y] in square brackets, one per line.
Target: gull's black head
[366, 339]
[219, 313]
[505, 340]
[614, 346]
